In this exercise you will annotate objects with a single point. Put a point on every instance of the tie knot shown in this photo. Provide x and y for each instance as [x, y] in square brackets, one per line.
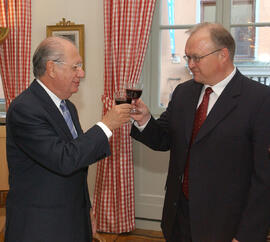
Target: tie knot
[208, 91]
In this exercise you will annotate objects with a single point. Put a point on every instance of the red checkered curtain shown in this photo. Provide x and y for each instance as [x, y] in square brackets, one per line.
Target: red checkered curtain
[127, 29]
[15, 52]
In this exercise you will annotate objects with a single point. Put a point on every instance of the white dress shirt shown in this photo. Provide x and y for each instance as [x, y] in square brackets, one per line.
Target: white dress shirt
[217, 90]
[57, 102]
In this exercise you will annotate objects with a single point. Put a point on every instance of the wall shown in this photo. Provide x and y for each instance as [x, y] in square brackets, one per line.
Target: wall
[89, 13]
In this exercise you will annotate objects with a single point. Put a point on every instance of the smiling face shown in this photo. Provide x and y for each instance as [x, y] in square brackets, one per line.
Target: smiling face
[68, 72]
[209, 68]
[63, 69]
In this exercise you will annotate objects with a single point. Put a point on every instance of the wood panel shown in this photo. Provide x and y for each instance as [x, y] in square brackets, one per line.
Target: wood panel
[3, 198]
[3, 161]
[2, 223]
[3, 181]
[138, 235]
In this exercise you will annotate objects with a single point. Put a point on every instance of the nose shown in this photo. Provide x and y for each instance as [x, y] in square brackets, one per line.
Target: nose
[80, 72]
[191, 63]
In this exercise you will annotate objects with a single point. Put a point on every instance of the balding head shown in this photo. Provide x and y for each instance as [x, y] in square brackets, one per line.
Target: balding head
[50, 49]
[220, 36]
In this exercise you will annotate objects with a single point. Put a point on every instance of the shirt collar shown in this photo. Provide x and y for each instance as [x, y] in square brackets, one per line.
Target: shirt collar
[54, 98]
[219, 87]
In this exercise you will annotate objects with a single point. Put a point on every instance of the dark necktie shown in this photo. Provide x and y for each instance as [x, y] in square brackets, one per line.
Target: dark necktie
[200, 116]
[67, 117]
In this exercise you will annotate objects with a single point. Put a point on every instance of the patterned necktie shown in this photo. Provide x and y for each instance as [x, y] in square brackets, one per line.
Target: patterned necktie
[200, 116]
[67, 117]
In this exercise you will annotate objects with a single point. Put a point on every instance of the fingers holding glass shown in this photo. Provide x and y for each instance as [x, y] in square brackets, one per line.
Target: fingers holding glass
[134, 92]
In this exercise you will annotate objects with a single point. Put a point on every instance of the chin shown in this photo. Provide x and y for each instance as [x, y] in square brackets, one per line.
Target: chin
[75, 89]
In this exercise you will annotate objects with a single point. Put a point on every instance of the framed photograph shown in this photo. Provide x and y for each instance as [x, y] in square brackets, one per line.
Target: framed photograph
[70, 30]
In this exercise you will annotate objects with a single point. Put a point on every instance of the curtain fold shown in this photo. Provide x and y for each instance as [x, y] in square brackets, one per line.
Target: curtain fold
[15, 52]
[126, 33]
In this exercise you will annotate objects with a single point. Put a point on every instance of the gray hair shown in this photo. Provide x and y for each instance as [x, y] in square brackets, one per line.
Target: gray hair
[220, 36]
[51, 49]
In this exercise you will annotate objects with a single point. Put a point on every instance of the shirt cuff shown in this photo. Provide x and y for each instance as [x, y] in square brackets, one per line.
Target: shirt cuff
[141, 128]
[105, 129]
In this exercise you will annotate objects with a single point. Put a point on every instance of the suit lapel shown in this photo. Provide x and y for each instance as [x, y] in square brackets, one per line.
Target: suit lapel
[47, 103]
[224, 105]
[191, 106]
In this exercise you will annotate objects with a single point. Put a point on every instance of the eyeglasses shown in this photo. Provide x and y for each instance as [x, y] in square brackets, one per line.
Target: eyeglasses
[74, 67]
[196, 58]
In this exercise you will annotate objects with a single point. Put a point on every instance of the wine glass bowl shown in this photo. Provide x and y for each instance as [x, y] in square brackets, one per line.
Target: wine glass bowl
[133, 92]
[120, 97]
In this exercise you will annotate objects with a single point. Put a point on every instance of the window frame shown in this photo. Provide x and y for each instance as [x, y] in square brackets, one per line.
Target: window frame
[151, 70]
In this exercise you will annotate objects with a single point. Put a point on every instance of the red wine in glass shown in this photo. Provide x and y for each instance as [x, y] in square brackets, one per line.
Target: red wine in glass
[120, 97]
[134, 91]
[122, 100]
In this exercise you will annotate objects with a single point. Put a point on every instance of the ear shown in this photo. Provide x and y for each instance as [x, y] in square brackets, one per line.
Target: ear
[224, 54]
[50, 68]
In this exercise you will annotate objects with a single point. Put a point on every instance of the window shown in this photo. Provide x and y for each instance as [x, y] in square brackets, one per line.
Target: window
[248, 21]
[242, 11]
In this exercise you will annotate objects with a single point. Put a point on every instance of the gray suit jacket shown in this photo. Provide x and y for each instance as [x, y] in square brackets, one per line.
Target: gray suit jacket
[48, 198]
[229, 174]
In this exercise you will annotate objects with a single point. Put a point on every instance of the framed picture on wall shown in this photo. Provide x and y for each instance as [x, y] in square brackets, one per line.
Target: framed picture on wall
[70, 30]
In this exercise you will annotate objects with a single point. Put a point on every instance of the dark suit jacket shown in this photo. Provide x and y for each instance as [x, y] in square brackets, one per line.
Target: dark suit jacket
[48, 199]
[229, 174]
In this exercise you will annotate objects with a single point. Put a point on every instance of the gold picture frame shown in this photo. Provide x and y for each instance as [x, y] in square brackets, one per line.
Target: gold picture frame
[70, 30]
[3, 34]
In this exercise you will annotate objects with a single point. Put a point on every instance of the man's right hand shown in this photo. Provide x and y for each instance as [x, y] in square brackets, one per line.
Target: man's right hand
[144, 114]
[118, 115]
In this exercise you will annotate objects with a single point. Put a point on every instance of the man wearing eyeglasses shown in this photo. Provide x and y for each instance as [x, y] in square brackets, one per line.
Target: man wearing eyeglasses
[217, 128]
[48, 153]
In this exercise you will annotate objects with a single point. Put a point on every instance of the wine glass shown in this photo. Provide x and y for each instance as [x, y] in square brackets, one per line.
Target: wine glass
[121, 97]
[133, 92]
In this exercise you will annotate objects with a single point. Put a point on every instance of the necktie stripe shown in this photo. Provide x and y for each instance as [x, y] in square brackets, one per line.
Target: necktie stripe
[68, 119]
